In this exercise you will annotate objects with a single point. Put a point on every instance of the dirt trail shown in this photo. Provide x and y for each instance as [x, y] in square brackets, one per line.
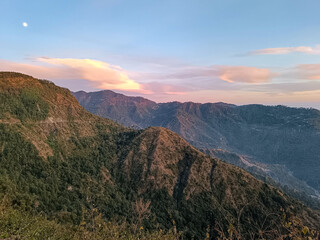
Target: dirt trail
[47, 121]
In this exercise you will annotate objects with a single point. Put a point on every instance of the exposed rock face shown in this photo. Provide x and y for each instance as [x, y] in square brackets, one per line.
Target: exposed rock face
[65, 160]
[289, 137]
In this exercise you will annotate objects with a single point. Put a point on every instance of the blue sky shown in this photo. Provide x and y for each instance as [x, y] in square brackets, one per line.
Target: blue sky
[205, 51]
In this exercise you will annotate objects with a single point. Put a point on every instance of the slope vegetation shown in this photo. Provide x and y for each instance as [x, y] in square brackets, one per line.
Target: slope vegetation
[60, 160]
[287, 137]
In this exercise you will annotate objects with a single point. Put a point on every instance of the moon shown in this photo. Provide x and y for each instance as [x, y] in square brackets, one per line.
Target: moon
[25, 24]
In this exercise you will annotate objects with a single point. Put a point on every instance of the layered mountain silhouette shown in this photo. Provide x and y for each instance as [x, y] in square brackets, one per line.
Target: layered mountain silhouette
[276, 142]
[58, 159]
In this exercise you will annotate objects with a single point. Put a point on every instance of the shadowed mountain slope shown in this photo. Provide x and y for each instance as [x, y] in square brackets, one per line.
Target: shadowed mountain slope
[288, 137]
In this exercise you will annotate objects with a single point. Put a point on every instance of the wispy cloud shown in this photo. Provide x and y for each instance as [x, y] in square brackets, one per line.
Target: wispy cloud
[305, 71]
[244, 74]
[231, 74]
[166, 89]
[286, 50]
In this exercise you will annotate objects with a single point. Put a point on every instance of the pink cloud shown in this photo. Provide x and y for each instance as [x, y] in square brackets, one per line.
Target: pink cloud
[166, 89]
[244, 74]
[101, 74]
[286, 50]
[307, 71]
[232, 74]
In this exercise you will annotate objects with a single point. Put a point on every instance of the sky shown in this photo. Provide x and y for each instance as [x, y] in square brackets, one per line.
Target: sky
[234, 51]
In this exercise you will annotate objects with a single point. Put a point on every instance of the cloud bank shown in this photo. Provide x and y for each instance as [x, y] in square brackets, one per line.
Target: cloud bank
[180, 82]
[101, 74]
[173, 81]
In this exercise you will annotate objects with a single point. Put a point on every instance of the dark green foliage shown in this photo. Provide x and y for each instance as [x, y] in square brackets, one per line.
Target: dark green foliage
[61, 188]
[29, 105]
[20, 167]
[55, 184]
[19, 224]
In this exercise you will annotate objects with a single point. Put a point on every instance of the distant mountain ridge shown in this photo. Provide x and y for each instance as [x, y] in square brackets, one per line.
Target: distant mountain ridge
[125, 110]
[267, 134]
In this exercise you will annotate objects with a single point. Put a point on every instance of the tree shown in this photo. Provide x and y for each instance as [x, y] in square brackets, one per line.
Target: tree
[142, 211]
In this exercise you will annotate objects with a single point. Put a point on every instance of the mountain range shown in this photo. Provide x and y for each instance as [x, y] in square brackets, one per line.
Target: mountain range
[60, 161]
[275, 143]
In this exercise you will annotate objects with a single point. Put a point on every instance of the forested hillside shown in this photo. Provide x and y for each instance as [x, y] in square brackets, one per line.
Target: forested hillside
[59, 164]
[282, 139]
